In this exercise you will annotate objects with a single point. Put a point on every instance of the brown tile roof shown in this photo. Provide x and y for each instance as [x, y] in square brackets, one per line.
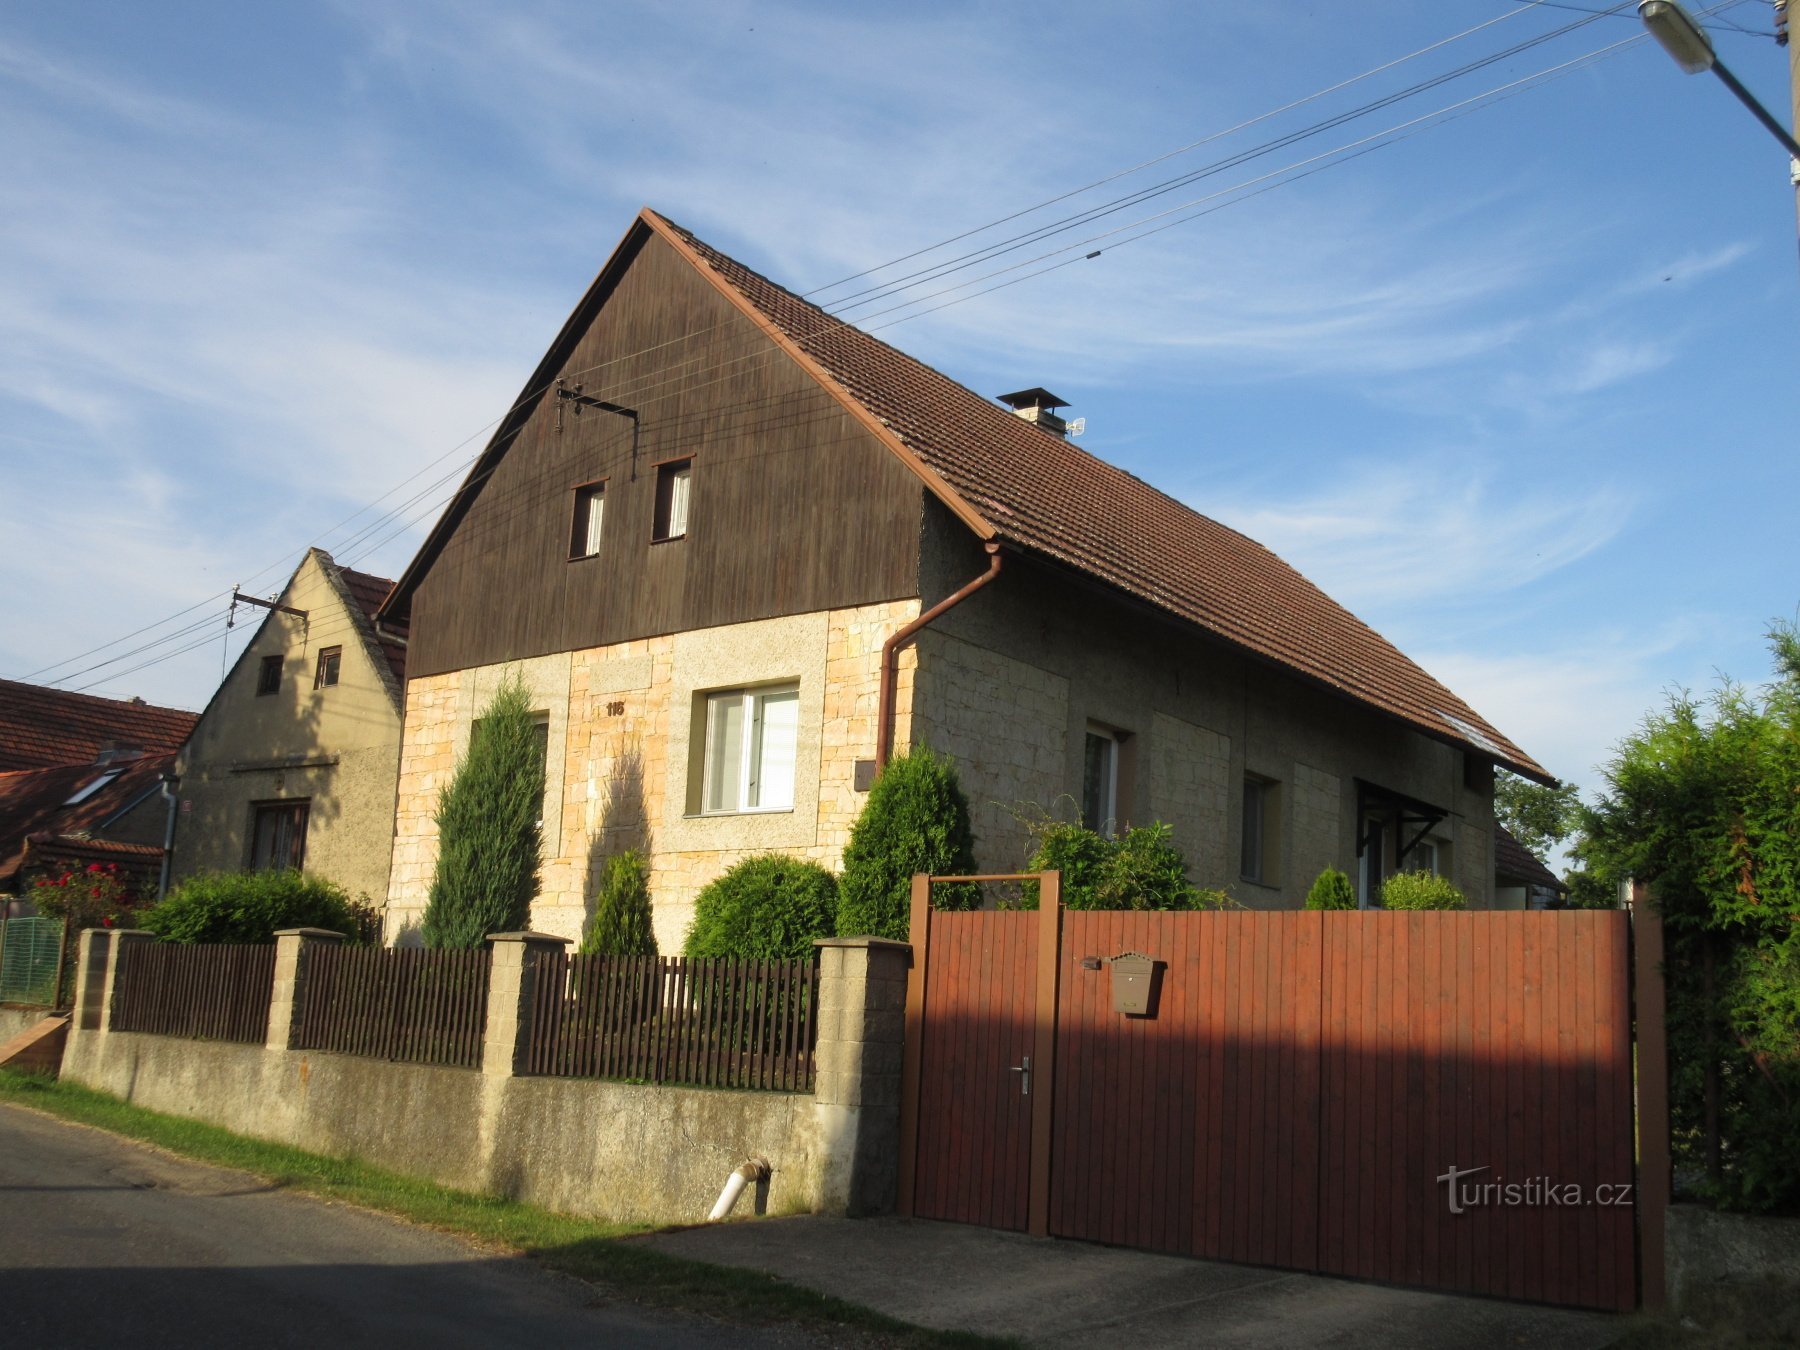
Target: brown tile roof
[34, 802]
[1512, 859]
[41, 727]
[368, 591]
[1038, 492]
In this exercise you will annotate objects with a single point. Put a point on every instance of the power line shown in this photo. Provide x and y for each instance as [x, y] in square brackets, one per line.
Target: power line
[937, 272]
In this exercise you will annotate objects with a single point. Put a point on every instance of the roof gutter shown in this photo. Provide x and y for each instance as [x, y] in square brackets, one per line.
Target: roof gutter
[890, 653]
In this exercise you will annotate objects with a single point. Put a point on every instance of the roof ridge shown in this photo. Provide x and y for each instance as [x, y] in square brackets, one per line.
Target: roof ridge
[1025, 484]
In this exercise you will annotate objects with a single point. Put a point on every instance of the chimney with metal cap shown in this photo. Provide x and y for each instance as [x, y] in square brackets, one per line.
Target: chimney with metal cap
[1038, 406]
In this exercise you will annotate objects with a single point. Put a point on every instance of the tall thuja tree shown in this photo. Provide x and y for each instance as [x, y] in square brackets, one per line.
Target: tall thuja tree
[1703, 803]
[916, 820]
[488, 831]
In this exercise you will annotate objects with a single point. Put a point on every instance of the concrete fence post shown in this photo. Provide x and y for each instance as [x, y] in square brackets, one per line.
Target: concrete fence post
[858, 1061]
[512, 985]
[109, 985]
[93, 955]
[289, 988]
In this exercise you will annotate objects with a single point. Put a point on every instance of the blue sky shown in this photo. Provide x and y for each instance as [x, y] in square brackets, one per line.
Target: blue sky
[1515, 388]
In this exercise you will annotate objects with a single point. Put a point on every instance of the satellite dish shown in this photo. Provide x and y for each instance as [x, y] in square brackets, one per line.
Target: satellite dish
[1078, 426]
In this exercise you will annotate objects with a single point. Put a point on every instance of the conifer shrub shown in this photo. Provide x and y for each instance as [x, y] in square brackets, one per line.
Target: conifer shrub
[252, 907]
[1421, 890]
[767, 908]
[488, 832]
[916, 820]
[621, 922]
[1331, 890]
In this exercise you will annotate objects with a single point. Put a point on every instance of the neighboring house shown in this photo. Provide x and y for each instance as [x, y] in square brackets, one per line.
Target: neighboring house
[713, 504]
[294, 760]
[81, 781]
[1521, 881]
[45, 728]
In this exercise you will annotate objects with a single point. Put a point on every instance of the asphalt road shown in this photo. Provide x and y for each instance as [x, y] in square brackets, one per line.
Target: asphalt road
[104, 1243]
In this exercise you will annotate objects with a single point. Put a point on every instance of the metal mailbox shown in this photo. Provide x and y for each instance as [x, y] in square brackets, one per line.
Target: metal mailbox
[1136, 982]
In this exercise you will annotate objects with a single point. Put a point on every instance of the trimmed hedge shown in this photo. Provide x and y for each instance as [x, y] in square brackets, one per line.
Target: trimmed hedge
[1140, 869]
[1421, 890]
[768, 908]
[252, 907]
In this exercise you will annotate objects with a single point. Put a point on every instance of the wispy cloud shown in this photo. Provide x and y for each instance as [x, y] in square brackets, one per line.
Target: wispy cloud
[1423, 531]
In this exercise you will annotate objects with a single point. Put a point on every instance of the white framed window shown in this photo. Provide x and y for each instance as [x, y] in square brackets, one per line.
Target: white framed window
[590, 515]
[1100, 780]
[673, 483]
[1423, 857]
[751, 737]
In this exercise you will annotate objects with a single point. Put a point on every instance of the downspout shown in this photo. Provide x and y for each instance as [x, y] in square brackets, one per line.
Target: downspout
[168, 792]
[890, 654]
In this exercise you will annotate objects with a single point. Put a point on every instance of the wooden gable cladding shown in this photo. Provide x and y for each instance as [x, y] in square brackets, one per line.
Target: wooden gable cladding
[794, 505]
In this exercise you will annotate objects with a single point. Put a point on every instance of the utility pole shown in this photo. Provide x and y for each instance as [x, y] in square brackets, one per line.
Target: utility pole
[1793, 55]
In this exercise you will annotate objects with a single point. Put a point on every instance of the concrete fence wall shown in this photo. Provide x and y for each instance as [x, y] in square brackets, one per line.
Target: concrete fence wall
[611, 1150]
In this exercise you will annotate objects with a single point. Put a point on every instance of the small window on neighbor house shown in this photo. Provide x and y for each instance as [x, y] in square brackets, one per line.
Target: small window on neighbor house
[278, 836]
[268, 676]
[672, 487]
[89, 789]
[751, 739]
[590, 514]
[325, 673]
[1260, 859]
[1100, 780]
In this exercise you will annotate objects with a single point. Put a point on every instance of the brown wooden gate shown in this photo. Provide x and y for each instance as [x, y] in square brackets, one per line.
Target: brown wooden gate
[1348, 1093]
[978, 1039]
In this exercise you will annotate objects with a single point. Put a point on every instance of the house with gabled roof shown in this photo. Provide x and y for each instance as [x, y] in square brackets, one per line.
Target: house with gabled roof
[82, 780]
[294, 760]
[739, 550]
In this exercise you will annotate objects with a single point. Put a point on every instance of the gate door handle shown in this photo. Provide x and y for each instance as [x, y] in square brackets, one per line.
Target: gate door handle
[1023, 1069]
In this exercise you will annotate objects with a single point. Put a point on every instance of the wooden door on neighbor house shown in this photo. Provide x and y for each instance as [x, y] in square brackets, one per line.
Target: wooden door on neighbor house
[973, 1162]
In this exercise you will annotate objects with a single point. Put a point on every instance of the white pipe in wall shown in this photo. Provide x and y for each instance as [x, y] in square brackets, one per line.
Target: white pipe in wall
[754, 1170]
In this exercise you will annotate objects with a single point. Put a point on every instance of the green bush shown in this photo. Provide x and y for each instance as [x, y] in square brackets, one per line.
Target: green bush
[916, 820]
[1331, 890]
[251, 907]
[621, 922]
[487, 819]
[1140, 869]
[1421, 890]
[768, 908]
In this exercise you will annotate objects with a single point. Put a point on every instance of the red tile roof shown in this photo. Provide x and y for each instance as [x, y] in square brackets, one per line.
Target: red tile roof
[41, 727]
[1038, 492]
[34, 802]
[368, 591]
[1512, 859]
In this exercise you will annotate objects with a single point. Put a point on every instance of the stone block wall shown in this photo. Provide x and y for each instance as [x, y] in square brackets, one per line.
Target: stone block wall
[620, 723]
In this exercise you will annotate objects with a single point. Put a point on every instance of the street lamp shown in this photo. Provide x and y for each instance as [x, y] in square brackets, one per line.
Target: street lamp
[1688, 43]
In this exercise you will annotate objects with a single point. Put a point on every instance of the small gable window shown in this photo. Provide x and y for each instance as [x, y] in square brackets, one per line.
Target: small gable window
[268, 676]
[673, 481]
[326, 672]
[590, 514]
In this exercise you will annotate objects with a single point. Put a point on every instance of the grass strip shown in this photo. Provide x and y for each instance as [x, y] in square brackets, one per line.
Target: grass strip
[586, 1248]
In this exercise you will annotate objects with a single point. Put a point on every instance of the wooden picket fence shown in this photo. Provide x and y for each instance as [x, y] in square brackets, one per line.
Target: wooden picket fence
[405, 1004]
[660, 1019]
[210, 991]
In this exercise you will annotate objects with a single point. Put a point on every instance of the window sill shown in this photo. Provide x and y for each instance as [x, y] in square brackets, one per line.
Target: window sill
[583, 557]
[1260, 884]
[738, 815]
[668, 539]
